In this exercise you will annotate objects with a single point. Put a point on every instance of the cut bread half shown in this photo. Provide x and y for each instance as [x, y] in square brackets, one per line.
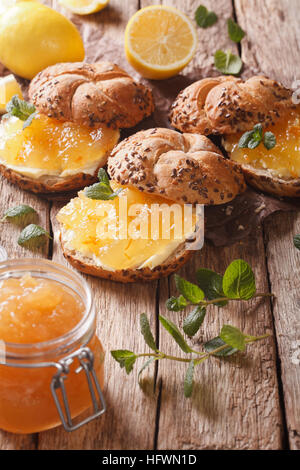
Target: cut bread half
[49, 183]
[266, 181]
[86, 265]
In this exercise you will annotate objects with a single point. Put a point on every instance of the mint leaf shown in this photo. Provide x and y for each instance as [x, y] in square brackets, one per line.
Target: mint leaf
[20, 215]
[102, 190]
[235, 32]
[189, 379]
[99, 191]
[190, 292]
[269, 140]
[193, 321]
[129, 363]
[21, 109]
[245, 139]
[239, 281]
[146, 332]
[103, 177]
[233, 337]
[176, 304]
[125, 358]
[211, 283]
[33, 236]
[297, 241]
[252, 139]
[216, 343]
[205, 18]
[175, 333]
[228, 63]
[145, 365]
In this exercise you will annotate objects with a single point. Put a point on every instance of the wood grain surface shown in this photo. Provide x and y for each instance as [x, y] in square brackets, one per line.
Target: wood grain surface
[246, 402]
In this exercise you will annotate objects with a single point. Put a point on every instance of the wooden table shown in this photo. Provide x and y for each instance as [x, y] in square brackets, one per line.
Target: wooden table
[250, 401]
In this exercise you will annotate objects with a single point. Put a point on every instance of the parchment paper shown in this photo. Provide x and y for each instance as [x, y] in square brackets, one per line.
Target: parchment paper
[226, 224]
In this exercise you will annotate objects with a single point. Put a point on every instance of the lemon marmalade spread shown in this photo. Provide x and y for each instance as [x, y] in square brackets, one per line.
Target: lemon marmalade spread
[52, 147]
[39, 323]
[283, 160]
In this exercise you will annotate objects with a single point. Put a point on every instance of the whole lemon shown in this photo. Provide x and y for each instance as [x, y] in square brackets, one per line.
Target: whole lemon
[33, 36]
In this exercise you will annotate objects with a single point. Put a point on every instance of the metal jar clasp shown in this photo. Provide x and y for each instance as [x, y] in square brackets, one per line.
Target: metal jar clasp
[85, 358]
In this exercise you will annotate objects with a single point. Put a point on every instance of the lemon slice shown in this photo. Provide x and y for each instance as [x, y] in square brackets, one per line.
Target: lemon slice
[159, 41]
[84, 7]
[8, 88]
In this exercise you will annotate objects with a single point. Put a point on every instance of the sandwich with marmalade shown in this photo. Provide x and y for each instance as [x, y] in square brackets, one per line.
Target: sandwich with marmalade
[150, 169]
[76, 112]
[237, 110]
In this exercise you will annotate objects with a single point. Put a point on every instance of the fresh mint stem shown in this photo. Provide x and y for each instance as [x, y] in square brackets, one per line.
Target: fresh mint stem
[204, 355]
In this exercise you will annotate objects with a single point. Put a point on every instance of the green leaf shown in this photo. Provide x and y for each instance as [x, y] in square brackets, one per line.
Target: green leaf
[103, 177]
[190, 292]
[297, 241]
[252, 139]
[20, 215]
[33, 236]
[129, 363]
[125, 358]
[189, 379]
[174, 331]
[176, 304]
[193, 321]
[21, 109]
[205, 18]
[269, 140]
[245, 139]
[216, 343]
[211, 283]
[235, 32]
[233, 337]
[145, 365]
[228, 63]
[146, 332]
[239, 281]
[102, 190]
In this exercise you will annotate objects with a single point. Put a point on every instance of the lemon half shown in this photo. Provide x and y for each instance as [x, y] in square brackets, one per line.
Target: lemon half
[159, 41]
[84, 7]
[33, 36]
[8, 88]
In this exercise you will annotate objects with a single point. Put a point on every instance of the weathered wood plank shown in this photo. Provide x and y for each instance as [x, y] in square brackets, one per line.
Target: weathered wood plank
[235, 404]
[273, 45]
[129, 422]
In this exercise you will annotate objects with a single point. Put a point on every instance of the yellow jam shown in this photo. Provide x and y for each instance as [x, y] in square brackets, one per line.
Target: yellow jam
[34, 310]
[49, 146]
[283, 160]
[137, 242]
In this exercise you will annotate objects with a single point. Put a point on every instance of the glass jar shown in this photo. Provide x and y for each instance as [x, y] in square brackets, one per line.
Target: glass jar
[50, 383]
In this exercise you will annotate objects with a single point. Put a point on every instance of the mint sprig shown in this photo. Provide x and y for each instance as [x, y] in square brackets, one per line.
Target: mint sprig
[228, 63]
[205, 18]
[22, 110]
[102, 190]
[252, 139]
[235, 32]
[238, 283]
